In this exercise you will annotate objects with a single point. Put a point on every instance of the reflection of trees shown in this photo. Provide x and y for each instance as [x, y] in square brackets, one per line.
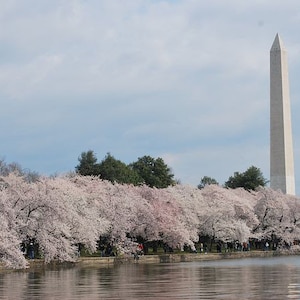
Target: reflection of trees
[226, 279]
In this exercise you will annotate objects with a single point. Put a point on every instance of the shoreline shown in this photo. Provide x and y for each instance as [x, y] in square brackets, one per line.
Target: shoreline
[88, 262]
[175, 258]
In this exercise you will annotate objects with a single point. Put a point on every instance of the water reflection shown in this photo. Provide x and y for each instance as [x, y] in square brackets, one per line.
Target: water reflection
[268, 278]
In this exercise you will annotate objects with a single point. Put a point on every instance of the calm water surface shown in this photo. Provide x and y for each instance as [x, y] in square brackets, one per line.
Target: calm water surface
[253, 278]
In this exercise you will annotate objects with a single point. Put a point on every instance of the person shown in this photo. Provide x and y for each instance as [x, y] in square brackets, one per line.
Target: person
[31, 250]
[267, 246]
[219, 247]
[140, 249]
[109, 250]
[226, 247]
[201, 247]
[79, 250]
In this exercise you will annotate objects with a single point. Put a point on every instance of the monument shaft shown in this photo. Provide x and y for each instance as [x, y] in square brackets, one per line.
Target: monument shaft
[281, 144]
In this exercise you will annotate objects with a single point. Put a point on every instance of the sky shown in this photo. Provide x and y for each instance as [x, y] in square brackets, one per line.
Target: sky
[184, 80]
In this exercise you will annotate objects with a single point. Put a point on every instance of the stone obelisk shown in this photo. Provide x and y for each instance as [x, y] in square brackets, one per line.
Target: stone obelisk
[281, 144]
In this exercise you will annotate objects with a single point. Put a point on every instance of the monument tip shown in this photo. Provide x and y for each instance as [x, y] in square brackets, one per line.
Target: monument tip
[277, 44]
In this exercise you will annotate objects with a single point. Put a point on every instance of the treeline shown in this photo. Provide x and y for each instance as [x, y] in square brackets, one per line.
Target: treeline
[156, 173]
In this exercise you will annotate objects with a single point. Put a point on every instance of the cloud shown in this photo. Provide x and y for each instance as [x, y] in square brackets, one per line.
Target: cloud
[22, 81]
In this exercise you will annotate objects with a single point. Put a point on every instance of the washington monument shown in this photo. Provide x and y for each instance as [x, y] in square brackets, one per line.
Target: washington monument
[281, 141]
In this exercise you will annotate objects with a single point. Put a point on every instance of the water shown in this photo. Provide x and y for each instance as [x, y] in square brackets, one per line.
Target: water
[252, 278]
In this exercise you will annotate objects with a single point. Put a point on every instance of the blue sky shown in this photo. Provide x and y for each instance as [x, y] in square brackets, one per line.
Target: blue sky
[187, 81]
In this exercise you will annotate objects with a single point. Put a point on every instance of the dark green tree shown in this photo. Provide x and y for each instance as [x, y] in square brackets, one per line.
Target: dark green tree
[88, 164]
[154, 172]
[206, 181]
[116, 171]
[251, 179]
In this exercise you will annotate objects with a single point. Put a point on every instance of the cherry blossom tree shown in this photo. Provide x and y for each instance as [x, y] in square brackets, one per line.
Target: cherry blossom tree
[294, 208]
[190, 201]
[114, 203]
[71, 220]
[228, 215]
[279, 217]
[166, 211]
[10, 252]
